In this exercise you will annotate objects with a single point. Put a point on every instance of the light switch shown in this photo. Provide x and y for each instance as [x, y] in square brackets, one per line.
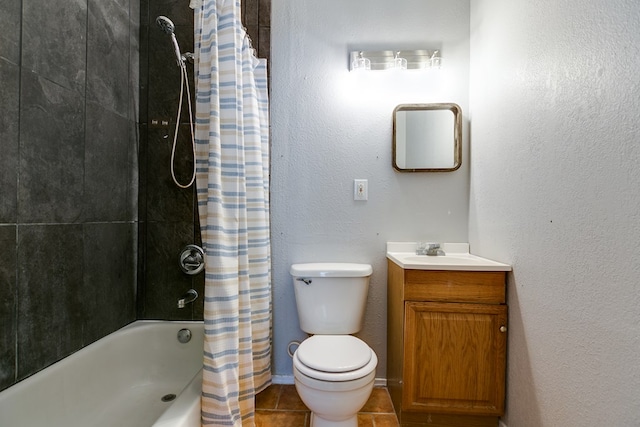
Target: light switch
[360, 189]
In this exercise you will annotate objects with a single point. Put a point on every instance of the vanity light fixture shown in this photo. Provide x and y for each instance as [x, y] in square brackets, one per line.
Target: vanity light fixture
[422, 59]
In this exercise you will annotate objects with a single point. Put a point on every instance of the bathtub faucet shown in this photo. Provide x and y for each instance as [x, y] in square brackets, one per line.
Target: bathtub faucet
[187, 298]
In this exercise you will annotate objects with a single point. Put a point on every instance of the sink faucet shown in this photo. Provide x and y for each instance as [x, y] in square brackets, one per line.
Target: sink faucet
[187, 298]
[431, 249]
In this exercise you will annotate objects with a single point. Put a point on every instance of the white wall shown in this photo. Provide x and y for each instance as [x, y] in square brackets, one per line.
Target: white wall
[330, 126]
[555, 190]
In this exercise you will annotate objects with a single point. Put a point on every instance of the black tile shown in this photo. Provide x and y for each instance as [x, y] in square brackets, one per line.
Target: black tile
[264, 45]
[135, 11]
[108, 44]
[51, 152]
[144, 12]
[197, 308]
[164, 76]
[254, 34]
[9, 137]
[141, 267]
[142, 171]
[133, 159]
[165, 200]
[165, 282]
[8, 301]
[143, 74]
[264, 18]
[10, 35]
[134, 61]
[54, 36]
[198, 281]
[50, 298]
[250, 9]
[109, 273]
[107, 168]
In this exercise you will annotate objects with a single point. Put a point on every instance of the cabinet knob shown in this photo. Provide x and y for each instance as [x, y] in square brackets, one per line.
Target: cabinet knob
[503, 328]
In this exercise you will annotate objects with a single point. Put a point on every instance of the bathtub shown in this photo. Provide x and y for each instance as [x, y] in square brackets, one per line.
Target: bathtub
[120, 380]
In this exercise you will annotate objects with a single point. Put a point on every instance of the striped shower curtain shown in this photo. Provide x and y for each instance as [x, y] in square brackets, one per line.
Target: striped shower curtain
[232, 152]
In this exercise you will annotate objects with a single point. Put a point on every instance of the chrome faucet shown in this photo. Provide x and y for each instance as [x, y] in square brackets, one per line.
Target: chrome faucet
[431, 249]
[187, 298]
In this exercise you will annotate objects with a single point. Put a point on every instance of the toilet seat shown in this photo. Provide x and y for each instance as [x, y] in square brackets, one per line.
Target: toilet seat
[334, 358]
[334, 353]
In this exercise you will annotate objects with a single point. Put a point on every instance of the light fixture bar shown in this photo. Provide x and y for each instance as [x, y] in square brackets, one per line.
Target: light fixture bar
[422, 59]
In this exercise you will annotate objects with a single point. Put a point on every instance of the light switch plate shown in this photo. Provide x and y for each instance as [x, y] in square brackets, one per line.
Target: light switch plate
[360, 189]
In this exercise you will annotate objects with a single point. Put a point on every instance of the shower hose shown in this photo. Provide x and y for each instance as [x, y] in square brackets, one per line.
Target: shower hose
[184, 81]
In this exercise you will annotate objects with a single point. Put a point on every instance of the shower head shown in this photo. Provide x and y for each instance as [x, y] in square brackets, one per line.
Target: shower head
[167, 26]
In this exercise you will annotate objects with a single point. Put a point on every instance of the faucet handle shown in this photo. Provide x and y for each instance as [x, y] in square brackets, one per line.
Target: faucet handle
[427, 248]
[433, 249]
[423, 248]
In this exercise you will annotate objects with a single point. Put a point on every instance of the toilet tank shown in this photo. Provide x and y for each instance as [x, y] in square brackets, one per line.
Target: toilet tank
[331, 297]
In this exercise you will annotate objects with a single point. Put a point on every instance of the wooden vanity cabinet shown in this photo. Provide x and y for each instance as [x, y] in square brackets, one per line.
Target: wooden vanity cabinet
[446, 346]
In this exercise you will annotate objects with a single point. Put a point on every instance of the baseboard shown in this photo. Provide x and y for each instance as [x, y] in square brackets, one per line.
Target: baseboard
[501, 424]
[282, 379]
[288, 379]
[380, 382]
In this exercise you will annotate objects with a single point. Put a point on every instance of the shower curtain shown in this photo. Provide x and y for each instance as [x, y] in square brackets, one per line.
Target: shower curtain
[232, 157]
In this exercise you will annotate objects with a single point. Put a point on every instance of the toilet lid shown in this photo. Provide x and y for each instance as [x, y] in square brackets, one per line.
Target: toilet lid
[334, 353]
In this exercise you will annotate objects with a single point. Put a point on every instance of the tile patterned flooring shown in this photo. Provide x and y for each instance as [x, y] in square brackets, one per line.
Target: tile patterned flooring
[280, 406]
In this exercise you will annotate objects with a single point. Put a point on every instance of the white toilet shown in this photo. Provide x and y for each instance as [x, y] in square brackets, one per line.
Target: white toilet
[334, 372]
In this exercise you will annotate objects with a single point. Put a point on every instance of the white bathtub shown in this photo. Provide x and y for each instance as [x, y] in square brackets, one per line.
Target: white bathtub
[119, 380]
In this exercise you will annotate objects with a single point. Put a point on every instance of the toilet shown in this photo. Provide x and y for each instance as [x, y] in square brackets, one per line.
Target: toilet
[333, 371]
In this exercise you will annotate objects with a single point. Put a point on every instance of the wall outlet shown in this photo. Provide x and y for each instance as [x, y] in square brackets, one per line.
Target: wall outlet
[360, 189]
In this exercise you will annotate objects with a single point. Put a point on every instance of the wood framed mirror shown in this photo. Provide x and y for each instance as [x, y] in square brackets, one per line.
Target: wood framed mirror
[427, 137]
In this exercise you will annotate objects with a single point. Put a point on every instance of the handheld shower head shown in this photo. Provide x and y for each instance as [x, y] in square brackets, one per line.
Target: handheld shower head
[167, 26]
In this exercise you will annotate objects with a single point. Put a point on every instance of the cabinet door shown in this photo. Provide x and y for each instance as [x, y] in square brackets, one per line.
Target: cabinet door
[454, 359]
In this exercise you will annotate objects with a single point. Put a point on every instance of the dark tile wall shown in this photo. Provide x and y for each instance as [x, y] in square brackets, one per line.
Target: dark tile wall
[168, 214]
[81, 163]
[68, 181]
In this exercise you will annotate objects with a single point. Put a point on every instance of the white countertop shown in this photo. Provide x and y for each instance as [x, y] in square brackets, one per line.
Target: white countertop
[456, 258]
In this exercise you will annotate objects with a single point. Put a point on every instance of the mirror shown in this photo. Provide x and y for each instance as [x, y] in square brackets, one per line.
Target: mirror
[427, 137]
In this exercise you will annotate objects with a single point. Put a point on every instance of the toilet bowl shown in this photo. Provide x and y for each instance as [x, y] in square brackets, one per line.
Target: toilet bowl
[334, 372]
[334, 376]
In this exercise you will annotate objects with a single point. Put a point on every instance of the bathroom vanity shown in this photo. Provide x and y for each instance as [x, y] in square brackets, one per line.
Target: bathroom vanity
[447, 335]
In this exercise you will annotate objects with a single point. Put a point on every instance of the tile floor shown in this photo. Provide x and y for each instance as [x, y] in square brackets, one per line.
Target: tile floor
[280, 406]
